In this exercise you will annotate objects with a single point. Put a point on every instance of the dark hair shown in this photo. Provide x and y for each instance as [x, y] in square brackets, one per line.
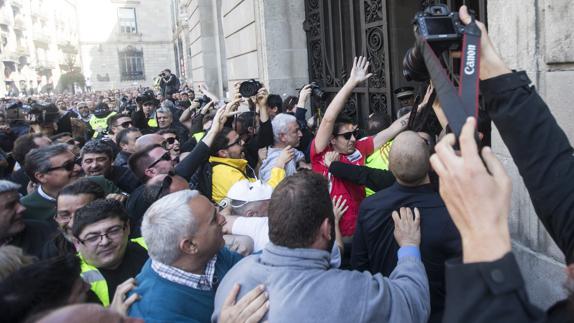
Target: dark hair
[275, 101]
[60, 135]
[167, 130]
[97, 147]
[244, 121]
[38, 160]
[122, 136]
[290, 103]
[377, 123]
[113, 119]
[140, 160]
[23, 145]
[219, 142]
[298, 207]
[38, 287]
[84, 186]
[95, 211]
[342, 120]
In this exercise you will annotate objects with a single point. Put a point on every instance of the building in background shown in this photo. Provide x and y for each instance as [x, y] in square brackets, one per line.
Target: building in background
[39, 43]
[125, 43]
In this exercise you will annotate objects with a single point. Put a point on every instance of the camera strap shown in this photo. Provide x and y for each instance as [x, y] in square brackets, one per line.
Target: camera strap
[467, 95]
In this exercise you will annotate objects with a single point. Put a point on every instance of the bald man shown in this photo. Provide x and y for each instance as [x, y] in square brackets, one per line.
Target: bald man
[374, 247]
[148, 140]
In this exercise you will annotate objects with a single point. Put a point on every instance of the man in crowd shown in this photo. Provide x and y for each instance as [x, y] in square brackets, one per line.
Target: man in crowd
[72, 197]
[286, 134]
[301, 230]
[274, 105]
[117, 123]
[52, 168]
[101, 230]
[83, 112]
[183, 232]
[374, 248]
[339, 133]
[165, 121]
[144, 117]
[169, 84]
[171, 142]
[126, 140]
[22, 146]
[99, 121]
[97, 157]
[29, 235]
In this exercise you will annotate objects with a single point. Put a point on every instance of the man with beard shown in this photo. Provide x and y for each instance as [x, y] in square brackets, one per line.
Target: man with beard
[52, 168]
[97, 157]
[100, 234]
[14, 229]
[70, 199]
[84, 112]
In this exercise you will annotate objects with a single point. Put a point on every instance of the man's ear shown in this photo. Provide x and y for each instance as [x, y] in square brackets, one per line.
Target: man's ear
[77, 243]
[251, 213]
[333, 140]
[222, 153]
[40, 177]
[325, 230]
[188, 247]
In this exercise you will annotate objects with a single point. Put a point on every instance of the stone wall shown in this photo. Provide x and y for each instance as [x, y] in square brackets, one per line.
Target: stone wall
[100, 40]
[535, 35]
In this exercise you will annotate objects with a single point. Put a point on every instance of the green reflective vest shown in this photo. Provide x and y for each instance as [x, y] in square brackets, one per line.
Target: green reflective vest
[100, 124]
[379, 160]
[92, 276]
[198, 136]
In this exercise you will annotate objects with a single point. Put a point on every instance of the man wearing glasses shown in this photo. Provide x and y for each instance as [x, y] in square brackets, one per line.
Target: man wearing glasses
[340, 133]
[52, 168]
[100, 234]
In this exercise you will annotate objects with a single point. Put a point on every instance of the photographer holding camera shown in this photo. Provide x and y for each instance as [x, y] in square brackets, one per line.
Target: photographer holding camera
[169, 84]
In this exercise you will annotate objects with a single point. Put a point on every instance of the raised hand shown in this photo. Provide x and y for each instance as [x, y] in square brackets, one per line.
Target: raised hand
[360, 71]
[330, 157]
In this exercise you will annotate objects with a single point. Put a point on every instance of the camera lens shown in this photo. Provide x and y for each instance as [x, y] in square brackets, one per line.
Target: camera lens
[249, 88]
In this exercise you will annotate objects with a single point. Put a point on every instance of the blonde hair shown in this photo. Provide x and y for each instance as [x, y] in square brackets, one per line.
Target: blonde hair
[12, 259]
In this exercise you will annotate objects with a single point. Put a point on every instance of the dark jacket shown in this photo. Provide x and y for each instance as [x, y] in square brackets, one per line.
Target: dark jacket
[124, 178]
[495, 291]
[121, 159]
[262, 139]
[375, 248]
[33, 237]
[169, 86]
[375, 179]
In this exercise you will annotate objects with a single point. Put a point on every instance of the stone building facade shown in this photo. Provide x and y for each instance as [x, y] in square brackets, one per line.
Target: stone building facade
[226, 41]
[39, 41]
[536, 36]
[125, 43]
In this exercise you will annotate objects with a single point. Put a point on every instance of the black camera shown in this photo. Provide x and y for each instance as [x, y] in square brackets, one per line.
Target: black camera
[162, 74]
[249, 88]
[203, 100]
[317, 91]
[441, 29]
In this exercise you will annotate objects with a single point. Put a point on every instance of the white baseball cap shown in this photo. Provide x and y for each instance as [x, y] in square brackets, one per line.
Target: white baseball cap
[247, 191]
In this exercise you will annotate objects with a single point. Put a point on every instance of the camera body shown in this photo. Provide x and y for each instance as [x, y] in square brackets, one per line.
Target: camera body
[249, 88]
[441, 29]
[317, 91]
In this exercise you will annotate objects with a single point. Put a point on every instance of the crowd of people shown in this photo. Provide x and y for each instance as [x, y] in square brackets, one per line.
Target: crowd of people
[175, 206]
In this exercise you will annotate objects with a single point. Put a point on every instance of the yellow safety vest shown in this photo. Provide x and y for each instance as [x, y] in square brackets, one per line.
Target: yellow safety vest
[198, 135]
[100, 124]
[378, 160]
[152, 123]
[92, 276]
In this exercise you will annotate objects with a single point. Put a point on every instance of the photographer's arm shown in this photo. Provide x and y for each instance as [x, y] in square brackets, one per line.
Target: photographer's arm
[358, 74]
[538, 145]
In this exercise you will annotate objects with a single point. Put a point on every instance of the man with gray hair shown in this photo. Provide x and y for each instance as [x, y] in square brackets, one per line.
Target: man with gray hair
[165, 120]
[183, 232]
[286, 133]
[14, 230]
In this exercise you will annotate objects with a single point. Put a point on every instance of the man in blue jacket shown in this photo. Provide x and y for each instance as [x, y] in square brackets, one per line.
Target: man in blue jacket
[183, 232]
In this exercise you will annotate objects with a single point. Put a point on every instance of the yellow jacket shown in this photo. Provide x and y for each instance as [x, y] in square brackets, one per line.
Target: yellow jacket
[228, 171]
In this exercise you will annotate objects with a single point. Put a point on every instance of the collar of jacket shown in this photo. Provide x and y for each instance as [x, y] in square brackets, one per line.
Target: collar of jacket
[233, 162]
[307, 258]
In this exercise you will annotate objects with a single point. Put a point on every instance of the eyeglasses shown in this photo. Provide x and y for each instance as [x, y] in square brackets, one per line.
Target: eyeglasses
[170, 141]
[348, 135]
[68, 165]
[165, 157]
[236, 142]
[126, 124]
[111, 234]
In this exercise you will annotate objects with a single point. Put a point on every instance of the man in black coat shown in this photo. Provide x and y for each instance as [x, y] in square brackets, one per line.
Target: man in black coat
[374, 246]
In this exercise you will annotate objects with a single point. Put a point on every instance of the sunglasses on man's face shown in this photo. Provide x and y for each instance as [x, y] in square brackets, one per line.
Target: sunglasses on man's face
[68, 166]
[171, 140]
[165, 157]
[348, 135]
[236, 142]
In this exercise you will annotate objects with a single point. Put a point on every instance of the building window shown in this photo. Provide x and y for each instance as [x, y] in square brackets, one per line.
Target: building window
[127, 20]
[131, 64]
